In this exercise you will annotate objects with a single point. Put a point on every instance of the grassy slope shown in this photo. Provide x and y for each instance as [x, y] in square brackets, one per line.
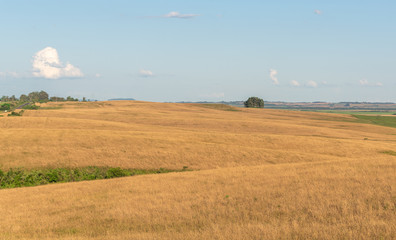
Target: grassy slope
[387, 121]
[358, 112]
[384, 118]
[264, 174]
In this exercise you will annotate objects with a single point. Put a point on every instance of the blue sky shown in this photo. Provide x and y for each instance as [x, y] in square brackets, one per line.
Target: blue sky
[200, 50]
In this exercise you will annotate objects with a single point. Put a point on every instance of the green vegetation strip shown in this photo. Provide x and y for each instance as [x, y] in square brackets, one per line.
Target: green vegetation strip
[389, 152]
[386, 121]
[25, 178]
[357, 112]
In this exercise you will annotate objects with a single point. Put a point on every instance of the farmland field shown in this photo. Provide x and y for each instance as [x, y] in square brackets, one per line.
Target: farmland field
[359, 112]
[257, 173]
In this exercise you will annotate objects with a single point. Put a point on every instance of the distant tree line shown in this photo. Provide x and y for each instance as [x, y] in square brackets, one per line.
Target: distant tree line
[41, 97]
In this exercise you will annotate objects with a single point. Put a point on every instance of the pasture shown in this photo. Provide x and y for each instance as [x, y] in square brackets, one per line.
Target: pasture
[257, 173]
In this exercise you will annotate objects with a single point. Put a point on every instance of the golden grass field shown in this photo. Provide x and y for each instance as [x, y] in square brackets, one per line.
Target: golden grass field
[260, 174]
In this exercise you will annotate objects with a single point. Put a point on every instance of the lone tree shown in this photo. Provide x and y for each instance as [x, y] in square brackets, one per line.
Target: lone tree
[43, 96]
[254, 102]
[24, 98]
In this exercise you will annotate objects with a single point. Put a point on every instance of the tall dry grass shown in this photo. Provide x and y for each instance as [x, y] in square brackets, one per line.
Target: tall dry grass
[153, 135]
[264, 174]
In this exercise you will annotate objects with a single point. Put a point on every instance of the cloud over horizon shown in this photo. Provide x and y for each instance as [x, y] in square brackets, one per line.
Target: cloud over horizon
[294, 83]
[46, 64]
[317, 11]
[365, 82]
[146, 73]
[273, 77]
[180, 15]
[312, 84]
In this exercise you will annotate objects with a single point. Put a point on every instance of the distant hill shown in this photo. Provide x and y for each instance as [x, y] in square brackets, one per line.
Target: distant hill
[231, 103]
[122, 99]
[317, 105]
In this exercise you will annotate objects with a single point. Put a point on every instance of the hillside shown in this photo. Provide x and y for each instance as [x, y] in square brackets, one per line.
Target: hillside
[259, 173]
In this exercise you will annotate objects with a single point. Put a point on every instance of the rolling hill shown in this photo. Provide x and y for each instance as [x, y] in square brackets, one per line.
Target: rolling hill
[257, 173]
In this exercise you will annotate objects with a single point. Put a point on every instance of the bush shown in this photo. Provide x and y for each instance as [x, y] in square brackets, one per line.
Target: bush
[5, 106]
[31, 107]
[15, 114]
[116, 172]
[52, 176]
[254, 102]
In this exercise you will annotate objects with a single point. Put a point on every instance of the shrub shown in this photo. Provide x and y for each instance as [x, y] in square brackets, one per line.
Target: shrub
[254, 102]
[52, 176]
[5, 106]
[116, 172]
[15, 114]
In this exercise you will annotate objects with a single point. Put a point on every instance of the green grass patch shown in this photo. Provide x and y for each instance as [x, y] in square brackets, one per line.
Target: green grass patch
[369, 117]
[389, 152]
[31, 106]
[386, 121]
[359, 112]
[25, 178]
[356, 112]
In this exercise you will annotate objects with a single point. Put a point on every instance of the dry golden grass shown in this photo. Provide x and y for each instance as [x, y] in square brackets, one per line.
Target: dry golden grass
[264, 174]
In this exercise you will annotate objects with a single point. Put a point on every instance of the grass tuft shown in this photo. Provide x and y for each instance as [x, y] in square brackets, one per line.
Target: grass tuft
[389, 152]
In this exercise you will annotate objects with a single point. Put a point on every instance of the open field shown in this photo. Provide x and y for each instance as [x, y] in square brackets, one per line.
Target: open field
[360, 112]
[261, 174]
[333, 106]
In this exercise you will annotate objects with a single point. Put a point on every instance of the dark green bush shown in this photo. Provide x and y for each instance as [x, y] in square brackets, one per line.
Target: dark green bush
[254, 102]
[116, 172]
[52, 176]
[5, 106]
[15, 114]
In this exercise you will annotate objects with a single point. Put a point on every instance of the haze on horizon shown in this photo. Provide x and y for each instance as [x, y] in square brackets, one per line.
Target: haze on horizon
[200, 50]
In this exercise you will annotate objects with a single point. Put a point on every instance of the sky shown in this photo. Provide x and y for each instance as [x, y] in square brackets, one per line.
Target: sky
[207, 50]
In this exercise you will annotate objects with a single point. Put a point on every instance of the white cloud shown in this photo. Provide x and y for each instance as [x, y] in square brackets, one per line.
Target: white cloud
[180, 15]
[363, 82]
[294, 83]
[46, 64]
[273, 77]
[312, 84]
[146, 73]
[317, 11]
